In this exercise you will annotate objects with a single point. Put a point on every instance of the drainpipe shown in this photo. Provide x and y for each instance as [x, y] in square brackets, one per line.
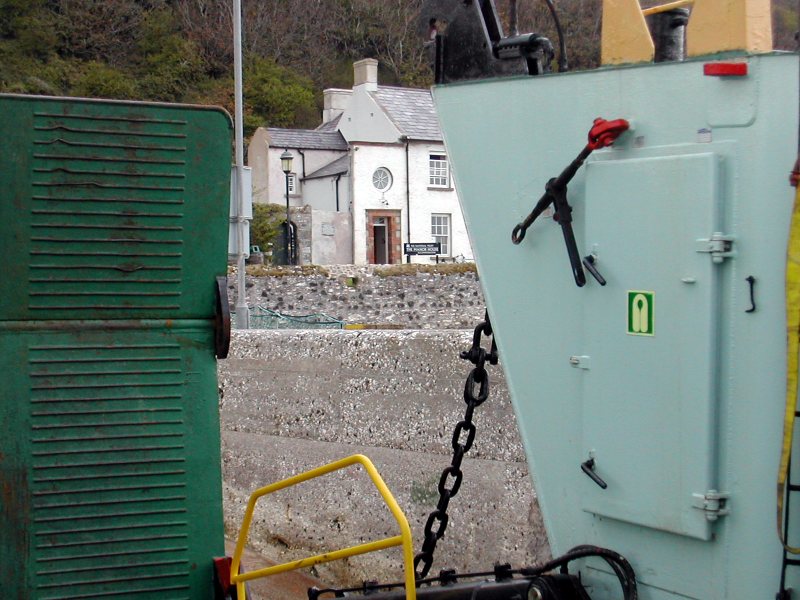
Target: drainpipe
[303, 156]
[408, 201]
[338, 177]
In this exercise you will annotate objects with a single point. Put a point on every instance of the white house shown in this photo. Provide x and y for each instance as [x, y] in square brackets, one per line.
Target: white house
[375, 171]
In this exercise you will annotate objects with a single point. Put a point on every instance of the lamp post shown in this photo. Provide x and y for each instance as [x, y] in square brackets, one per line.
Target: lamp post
[286, 166]
[243, 237]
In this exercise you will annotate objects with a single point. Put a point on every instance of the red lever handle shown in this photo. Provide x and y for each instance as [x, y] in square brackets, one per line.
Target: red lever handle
[603, 133]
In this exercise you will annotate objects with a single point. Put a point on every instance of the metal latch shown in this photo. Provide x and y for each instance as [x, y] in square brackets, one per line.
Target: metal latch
[713, 503]
[719, 245]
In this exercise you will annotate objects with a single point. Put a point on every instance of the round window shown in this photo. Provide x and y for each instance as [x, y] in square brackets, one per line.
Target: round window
[382, 179]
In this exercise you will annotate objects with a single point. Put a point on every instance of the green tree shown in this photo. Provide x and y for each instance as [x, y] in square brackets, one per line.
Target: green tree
[169, 65]
[277, 96]
[98, 80]
[265, 228]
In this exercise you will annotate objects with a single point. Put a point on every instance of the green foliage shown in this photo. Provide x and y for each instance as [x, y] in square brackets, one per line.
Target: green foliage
[181, 50]
[169, 65]
[265, 228]
[97, 80]
[277, 96]
[414, 268]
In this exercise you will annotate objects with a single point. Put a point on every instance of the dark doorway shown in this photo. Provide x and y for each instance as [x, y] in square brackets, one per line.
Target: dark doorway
[380, 232]
[279, 251]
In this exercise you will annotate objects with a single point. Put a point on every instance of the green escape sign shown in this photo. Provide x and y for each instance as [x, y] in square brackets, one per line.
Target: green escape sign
[641, 312]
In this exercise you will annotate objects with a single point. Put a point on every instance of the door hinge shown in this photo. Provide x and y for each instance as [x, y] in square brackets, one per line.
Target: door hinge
[719, 246]
[713, 503]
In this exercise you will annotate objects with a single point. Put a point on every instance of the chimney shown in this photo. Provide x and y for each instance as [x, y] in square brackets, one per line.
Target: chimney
[334, 103]
[365, 72]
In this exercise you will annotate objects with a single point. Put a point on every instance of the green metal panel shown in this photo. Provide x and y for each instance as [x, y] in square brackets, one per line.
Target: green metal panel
[109, 464]
[111, 209]
[113, 229]
[669, 201]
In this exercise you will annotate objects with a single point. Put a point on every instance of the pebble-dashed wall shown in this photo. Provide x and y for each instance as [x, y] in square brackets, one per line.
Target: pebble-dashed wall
[293, 400]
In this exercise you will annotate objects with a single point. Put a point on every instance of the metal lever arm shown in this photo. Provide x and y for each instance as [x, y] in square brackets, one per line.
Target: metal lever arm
[587, 467]
[602, 134]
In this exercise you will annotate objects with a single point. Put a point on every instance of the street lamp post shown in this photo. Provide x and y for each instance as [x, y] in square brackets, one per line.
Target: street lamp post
[286, 166]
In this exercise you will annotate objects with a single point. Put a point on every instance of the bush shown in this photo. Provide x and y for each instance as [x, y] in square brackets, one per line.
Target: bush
[265, 228]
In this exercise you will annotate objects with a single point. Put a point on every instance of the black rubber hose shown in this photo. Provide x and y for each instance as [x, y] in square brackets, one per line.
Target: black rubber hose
[562, 45]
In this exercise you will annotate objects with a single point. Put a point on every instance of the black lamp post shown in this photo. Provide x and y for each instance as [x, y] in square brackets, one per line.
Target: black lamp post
[286, 165]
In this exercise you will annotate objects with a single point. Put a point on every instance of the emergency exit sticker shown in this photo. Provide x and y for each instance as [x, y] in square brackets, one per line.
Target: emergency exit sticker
[641, 312]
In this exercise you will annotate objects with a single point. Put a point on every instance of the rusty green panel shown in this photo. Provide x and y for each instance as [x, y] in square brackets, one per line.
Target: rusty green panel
[110, 479]
[111, 209]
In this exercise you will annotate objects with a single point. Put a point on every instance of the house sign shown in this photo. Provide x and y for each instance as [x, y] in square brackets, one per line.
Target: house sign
[427, 248]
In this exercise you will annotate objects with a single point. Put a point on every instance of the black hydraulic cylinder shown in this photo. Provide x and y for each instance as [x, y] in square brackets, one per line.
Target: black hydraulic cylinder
[547, 587]
[668, 30]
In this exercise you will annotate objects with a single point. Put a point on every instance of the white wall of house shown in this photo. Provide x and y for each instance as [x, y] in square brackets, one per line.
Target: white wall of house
[366, 159]
[428, 200]
[365, 121]
[257, 160]
[269, 183]
[424, 200]
[331, 234]
[320, 193]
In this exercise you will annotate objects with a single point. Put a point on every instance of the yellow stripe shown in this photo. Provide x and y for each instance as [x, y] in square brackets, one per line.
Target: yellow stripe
[665, 7]
[792, 347]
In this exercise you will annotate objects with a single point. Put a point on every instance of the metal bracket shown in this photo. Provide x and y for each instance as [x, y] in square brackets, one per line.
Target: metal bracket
[713, 503]
[719, 245]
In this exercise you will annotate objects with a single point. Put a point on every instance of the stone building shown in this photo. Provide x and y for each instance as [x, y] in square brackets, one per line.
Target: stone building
[374, 176]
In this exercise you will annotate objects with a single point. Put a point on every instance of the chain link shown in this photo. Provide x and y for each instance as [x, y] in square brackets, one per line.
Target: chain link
[476, 391]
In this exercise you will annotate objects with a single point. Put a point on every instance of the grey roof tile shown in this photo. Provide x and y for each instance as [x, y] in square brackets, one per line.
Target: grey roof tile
[340, 166]
[411, 110]
[306, 139]
[332, 125]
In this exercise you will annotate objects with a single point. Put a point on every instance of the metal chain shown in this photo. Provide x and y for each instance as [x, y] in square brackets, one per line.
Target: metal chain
[476, 391]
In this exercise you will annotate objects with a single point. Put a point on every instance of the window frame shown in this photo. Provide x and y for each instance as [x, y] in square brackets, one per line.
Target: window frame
[389, 179]
[294, 189]
[448, 217]
[438, 169]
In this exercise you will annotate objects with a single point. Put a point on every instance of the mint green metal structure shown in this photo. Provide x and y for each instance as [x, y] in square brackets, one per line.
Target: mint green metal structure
[664, 376]
[113, 227]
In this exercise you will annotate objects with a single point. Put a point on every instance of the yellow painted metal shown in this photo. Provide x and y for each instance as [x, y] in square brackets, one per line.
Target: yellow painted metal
[792, 358]
[724, 25]
[403, 539]
[625, 36]
[322, 558]
[665, 7]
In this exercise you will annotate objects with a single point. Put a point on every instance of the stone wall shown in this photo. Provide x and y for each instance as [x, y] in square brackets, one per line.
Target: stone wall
[357, 295]
[294, 400]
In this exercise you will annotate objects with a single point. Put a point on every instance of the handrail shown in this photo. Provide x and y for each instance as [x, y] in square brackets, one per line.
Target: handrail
[403, 539]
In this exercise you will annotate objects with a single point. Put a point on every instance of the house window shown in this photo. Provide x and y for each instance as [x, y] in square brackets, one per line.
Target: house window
[440, 232]
[439, 173]
[382, 179]
[293, 183]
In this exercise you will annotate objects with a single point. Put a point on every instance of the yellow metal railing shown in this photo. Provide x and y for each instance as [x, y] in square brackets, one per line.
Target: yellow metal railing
[403, 539]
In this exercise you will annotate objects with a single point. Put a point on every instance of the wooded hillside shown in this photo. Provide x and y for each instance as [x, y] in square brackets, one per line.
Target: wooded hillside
[182, 50]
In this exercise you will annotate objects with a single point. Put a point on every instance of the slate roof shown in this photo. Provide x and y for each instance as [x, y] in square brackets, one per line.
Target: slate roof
[306, 139]
[332, 125]
[411, 110]
[340, 166]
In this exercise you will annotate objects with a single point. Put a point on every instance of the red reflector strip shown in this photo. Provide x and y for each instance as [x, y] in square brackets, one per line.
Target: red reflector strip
[725, 69]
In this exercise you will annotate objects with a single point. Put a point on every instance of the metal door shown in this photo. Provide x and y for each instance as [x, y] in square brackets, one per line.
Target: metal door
[660, 311]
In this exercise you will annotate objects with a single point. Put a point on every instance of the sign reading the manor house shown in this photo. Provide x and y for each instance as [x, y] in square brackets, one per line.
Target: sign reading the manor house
[428, 248]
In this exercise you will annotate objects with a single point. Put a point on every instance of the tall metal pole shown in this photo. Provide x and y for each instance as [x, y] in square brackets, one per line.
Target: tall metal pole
[288, 223]
[242, 310]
